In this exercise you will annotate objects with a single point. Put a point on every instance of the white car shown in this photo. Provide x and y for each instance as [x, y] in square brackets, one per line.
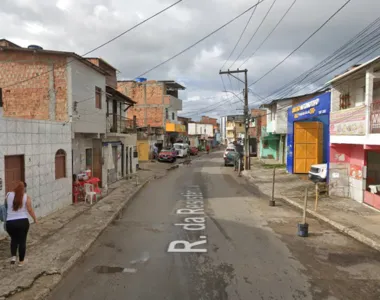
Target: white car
[182, 149]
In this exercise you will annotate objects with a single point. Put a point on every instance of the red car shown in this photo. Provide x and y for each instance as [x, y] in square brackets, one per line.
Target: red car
[193, 151]
[168, 154]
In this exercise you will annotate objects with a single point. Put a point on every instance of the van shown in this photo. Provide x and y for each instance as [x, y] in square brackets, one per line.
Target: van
[182, 149]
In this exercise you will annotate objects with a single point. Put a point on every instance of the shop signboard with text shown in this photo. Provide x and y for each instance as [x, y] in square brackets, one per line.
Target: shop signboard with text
[348, 121]
[316, 109]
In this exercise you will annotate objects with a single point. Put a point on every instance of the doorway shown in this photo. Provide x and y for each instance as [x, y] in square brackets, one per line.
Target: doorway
[127, 158]
[14, 171]
[372, 191]
[96, 152]
[130, 160]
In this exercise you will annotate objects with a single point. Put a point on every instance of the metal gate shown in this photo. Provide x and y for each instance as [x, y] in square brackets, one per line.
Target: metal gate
[308, 145]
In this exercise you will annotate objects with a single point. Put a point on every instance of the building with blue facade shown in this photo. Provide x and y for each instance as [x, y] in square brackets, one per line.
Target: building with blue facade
[308, 136]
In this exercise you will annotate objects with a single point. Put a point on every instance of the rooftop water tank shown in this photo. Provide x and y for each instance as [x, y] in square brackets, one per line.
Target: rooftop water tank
[35, 47]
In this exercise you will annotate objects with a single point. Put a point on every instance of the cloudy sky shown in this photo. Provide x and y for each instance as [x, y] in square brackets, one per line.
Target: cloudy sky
[81, 25]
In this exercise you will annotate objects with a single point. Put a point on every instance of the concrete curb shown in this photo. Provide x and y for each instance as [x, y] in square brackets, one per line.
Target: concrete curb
[341, 228]
[80, 253]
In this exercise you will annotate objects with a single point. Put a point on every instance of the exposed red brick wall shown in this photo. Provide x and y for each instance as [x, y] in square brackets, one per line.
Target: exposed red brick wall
[262, 113]
[149, 109]
[208, 120]
[30, 99]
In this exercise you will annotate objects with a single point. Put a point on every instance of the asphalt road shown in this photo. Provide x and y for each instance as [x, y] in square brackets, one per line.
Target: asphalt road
[237, 247]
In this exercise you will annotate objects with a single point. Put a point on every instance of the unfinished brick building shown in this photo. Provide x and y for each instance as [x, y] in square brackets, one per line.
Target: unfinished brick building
[155, 111]
[38, 90]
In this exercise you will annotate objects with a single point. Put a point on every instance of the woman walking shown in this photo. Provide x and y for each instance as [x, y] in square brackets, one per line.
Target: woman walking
[19, 205]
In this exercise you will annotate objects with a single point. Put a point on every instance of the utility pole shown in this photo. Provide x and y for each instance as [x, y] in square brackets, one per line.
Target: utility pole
[247, 164]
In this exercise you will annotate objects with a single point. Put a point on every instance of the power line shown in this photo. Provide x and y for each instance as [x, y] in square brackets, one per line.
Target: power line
[186, 49]
[241, 35]
[257, 29]
[365, 40]
[337, 53]
[341, 83]
[270, 33]
[303, 43]
[102, 45]
[201, 40]
[360, 37]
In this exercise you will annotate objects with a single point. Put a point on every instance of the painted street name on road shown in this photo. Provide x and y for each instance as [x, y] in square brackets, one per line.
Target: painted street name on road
[194, 221]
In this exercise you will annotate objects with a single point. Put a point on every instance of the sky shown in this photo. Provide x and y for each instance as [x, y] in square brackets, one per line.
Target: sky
[81, 25]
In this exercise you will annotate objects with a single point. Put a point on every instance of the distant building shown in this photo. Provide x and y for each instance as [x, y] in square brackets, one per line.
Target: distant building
[156, 113]
[258, 120]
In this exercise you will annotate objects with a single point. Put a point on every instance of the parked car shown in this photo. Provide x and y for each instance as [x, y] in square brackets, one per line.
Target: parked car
[193, 150]
[167, 154]
[182, 149]
[229, 156]
[318, 173]
[229, 149]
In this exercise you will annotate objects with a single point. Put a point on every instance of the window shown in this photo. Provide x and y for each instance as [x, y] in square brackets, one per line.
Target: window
[173, 116]
[98, 97]
[60, 164]
[166, 113]
[1, 97]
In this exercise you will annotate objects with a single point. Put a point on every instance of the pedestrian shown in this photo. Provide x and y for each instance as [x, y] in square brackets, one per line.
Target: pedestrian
[155, 151]
[208, 148]
[18, 205]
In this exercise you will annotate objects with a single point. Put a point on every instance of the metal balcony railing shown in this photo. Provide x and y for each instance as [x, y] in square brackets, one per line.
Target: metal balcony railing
[375, 117]
[119, 124]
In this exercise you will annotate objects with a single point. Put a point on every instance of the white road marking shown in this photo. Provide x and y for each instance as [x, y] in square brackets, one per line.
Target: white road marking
[194, 205]
[129, 270]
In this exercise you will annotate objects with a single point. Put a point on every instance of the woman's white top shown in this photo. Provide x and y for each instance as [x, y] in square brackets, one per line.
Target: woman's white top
[21, 213]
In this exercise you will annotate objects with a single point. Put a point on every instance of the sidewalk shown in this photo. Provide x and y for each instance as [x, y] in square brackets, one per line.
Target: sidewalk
[61, 239]
[346, 215]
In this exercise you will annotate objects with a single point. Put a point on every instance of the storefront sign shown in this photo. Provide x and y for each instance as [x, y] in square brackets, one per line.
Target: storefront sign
[308, 109]
[348, 121]
[305, 105]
